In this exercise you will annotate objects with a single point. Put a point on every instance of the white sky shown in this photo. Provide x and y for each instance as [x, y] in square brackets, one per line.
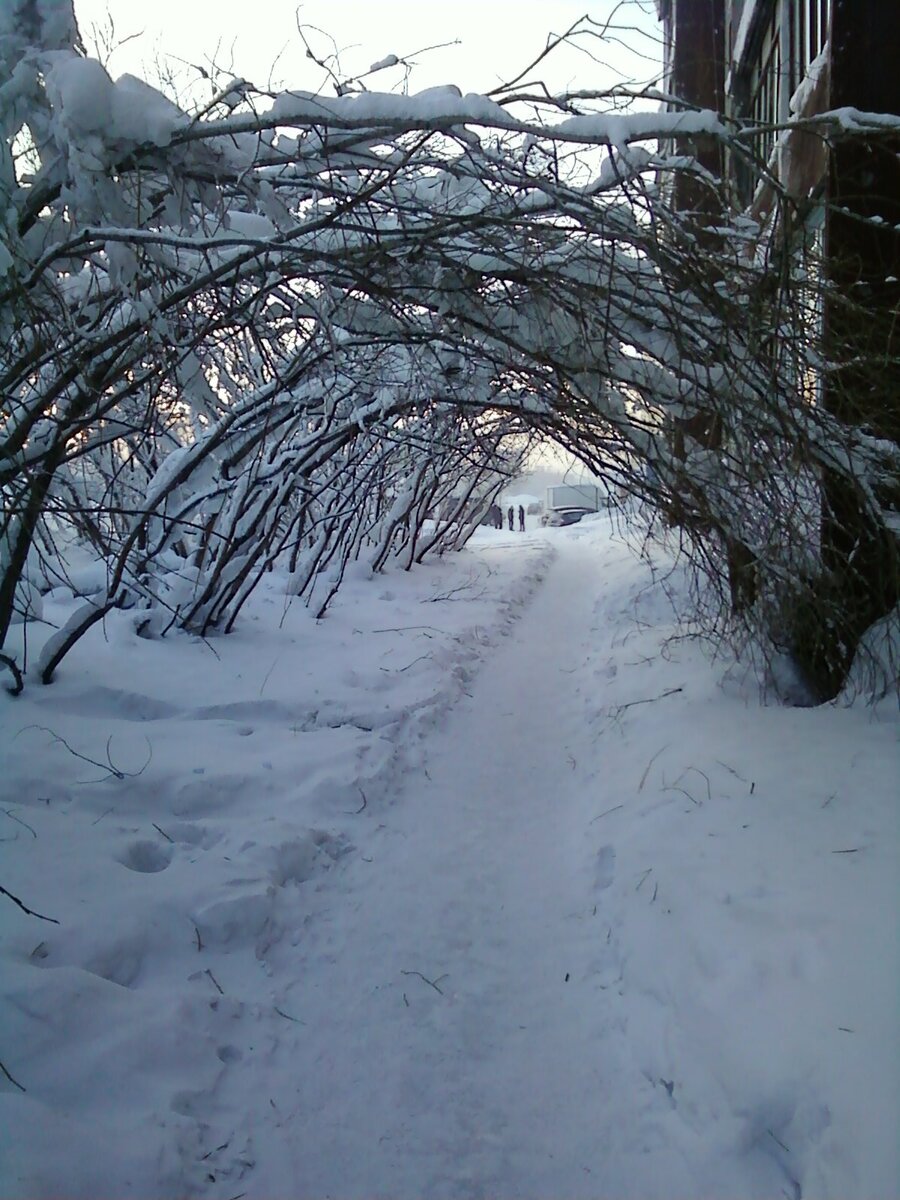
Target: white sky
[259, 40]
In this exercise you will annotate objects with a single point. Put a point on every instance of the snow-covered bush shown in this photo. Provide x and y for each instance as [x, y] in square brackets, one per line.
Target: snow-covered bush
[302, 325]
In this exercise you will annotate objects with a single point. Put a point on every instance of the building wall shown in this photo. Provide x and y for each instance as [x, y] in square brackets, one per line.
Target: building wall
[784, 57]
[776, 67]
[694, 32]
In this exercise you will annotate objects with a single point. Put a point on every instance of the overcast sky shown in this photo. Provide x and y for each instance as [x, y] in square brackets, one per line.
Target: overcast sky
[258, 39]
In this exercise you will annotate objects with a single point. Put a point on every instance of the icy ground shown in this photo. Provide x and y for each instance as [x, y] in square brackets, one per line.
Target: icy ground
[398, 906]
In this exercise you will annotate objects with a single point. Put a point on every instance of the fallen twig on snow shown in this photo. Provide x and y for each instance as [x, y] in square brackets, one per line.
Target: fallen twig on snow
[431, 982]
[650, 764]
[697, 771]
[407, 628]
[288, 1017]
[14, 1082]
[735, 773]
[12, 816]
[618, 709]
[215, 981]
[673, 787]
[615, 808]
[108, 766]
[414, 661]
[778, 1140]
[26, 909]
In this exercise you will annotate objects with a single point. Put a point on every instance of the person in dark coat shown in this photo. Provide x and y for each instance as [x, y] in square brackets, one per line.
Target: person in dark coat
[511, 517]
[521, 518]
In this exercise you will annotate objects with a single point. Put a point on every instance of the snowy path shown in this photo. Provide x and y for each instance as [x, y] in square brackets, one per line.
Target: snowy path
[500, 1082]
[623, 933]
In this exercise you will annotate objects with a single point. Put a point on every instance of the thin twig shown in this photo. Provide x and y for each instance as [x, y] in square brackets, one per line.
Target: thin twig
[408, 628]
[425, 979]
[12, 816]
[109, 766]
[14, 1082]
[650, 764]
[26, 909]
[163, 832]
[288, 1017]
[615, 808]
[215, 981]
[778, 1140]
[732, 770]
[262, 686]
[210, 1153]
[84, 757]
[413, 663]
[673, 787]
[618, 709]
[703, 774]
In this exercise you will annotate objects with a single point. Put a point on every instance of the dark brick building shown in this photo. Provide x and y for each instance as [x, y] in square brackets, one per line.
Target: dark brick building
[766, 62]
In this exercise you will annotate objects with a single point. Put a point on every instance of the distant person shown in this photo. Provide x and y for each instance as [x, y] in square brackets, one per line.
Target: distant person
[497, 512]
[511, 517]
[521, 519]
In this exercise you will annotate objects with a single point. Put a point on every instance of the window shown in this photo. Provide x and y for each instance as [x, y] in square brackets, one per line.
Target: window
[793, 36]
[766, 82]
[809, 23]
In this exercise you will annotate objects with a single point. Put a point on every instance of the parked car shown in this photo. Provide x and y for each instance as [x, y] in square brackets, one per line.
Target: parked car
[565, 516]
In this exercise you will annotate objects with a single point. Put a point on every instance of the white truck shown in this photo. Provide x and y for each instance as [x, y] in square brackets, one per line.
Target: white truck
[573, 495]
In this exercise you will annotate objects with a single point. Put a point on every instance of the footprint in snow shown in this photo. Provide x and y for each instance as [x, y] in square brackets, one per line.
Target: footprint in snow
[604, 868]
[146, 857]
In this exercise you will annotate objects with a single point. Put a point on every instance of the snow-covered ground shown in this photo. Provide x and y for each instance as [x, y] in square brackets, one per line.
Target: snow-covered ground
[487, 885]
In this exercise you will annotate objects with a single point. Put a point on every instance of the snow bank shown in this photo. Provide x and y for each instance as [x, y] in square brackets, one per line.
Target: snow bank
[175, 806]
[752, 856]
[387, 905]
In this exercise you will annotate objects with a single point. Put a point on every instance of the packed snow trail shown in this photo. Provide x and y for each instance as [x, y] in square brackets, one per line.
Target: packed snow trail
[458, 1038]
[621, 932]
